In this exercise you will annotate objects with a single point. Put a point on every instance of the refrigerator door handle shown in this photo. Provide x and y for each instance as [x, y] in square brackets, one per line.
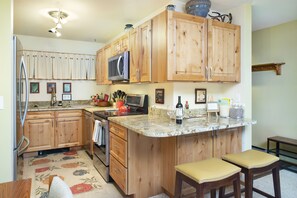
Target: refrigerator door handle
[23, 68]
[21, 151]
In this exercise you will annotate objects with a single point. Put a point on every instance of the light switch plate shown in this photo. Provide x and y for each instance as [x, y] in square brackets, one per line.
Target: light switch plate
[1, 102]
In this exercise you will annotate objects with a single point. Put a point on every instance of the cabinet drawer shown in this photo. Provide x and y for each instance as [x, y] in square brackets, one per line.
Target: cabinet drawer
[118, 130]
[40, 115]
[119, 173]
[72, 113]
[118, 149]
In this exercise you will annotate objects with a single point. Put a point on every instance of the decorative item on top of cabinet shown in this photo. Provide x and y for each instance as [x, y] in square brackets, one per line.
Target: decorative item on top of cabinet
[198, 7]
[58, 65]
[141, 53]
[221, 17]
[197, 50]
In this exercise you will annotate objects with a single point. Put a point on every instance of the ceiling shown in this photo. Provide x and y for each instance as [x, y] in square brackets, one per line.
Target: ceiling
[102, 20]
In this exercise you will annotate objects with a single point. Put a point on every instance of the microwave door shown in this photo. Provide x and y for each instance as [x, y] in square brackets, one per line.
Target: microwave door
[120, 66]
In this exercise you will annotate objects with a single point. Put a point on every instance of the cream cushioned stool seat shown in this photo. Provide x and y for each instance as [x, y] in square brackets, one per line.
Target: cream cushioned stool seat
[254, 162]
[207, 174]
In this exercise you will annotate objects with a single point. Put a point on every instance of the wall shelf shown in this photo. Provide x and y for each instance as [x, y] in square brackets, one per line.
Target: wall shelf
[267, 67]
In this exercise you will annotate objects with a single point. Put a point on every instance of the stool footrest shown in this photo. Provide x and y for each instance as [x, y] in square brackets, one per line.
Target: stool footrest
[262, 193]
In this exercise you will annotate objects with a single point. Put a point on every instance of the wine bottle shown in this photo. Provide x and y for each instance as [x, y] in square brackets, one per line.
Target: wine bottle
[179, 111]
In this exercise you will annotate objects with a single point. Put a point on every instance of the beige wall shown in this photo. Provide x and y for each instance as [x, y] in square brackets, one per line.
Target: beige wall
[6, 152]
[274, 97]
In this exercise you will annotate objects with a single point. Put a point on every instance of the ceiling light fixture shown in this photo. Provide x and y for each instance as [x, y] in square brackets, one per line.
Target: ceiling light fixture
[59, 18]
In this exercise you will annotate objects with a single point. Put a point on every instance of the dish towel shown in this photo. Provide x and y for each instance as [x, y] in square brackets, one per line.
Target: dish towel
[97, 131]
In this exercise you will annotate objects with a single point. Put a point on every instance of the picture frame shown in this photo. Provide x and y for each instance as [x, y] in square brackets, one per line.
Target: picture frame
[34, 87]
[200, 96]
[159, 96]
[67, 87]
[66, 97]
[50, 87]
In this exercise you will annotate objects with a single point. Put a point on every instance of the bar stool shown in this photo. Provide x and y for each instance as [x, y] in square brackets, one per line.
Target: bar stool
[254, 162]
[209, 174]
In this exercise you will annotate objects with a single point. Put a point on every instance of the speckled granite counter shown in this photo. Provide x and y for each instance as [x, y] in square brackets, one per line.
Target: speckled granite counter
[153, 126]
[89, 108]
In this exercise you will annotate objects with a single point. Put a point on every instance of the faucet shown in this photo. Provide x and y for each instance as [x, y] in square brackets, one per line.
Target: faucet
[53, 98]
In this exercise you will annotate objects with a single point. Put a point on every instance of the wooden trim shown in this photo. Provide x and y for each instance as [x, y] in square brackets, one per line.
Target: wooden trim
[267, 67]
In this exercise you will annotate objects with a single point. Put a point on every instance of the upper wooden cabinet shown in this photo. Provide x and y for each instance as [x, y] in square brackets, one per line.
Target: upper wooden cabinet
[102, 57]
[120, 45]
[191, 48]
[223, 52]
[141, 53]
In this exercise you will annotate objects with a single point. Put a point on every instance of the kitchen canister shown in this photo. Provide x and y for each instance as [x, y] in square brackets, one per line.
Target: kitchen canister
[236, 111]
[224, 111]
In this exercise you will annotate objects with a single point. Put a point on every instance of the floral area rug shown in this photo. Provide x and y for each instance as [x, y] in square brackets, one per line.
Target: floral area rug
[74, 166]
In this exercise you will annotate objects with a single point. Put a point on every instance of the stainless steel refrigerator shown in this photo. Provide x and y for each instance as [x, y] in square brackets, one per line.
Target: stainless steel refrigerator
[20, 103]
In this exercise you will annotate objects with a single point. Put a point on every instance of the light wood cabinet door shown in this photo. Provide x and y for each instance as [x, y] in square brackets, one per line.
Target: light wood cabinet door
[120, 45]
[68, 132]
[141, 53]
[40, 132]
[227, 141]
[100, 66]
[187, 47]
[223, 52]
[107, 55]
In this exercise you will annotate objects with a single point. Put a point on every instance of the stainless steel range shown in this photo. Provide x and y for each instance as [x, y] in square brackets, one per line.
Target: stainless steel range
[137, 104]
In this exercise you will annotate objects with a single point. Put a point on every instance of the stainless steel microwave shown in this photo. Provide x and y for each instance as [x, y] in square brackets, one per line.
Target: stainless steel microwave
[118, 67]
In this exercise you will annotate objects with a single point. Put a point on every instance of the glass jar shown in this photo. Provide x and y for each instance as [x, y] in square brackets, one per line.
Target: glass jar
[236, 111]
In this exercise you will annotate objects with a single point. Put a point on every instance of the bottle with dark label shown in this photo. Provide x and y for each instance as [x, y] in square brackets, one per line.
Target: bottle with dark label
[179, 111]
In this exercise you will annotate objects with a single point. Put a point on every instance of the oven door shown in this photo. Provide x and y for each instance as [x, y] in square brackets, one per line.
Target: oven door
[101, 148]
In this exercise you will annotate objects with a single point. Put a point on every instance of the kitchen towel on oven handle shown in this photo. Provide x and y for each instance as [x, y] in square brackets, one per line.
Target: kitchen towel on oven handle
[98, 133]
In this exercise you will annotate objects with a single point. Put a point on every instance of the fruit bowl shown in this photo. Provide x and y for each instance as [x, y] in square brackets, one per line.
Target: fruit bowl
[103, 104]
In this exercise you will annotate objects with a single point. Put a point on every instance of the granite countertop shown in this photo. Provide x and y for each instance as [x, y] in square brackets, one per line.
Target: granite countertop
[88, 108]
[158, 126]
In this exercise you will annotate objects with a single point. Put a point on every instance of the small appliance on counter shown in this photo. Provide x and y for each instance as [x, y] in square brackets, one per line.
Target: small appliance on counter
[136, 104]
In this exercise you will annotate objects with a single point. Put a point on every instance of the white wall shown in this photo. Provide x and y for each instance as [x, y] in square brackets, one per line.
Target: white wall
[274, 97]
[81, 89]
[6, 114]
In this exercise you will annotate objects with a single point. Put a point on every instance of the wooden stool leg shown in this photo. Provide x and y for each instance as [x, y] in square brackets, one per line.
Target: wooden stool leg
[199, 191]
[222, 192]
[213, 193]
[248, 178]
[236, 187]
[276, 182]
[178, 185]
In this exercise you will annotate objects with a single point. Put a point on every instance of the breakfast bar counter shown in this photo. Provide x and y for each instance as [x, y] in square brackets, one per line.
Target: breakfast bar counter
[145, 149]
[153, 126]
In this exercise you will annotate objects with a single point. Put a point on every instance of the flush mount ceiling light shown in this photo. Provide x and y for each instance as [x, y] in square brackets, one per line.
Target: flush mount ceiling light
[59, 18]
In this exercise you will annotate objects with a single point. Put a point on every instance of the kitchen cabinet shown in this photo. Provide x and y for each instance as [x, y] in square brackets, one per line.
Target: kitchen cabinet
[195, 147]
[39, 129]
[53, 129]
[88, 132]
[102, 65]
[141, 53]
[223, 52]
[134, 162]
[120, 45]
[68, 130]
[192, 48]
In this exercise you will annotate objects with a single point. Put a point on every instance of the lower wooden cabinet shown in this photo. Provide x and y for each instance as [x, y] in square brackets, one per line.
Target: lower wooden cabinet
[68, 128]
[39, 128]
[49, 130]
[195, 147]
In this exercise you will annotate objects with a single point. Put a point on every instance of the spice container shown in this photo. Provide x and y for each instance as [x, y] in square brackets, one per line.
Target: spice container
[236, 111]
